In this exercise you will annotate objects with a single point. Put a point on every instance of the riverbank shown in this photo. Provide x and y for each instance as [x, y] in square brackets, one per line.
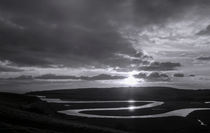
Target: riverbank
[27, 113]
[90, 106]
[22, 113]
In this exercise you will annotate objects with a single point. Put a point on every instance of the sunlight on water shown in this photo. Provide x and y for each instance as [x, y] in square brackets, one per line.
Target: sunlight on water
[131, 101]
[149, 104]
[131, 108]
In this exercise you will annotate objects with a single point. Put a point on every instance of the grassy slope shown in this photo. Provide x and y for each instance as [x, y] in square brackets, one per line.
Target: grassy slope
[26, 114]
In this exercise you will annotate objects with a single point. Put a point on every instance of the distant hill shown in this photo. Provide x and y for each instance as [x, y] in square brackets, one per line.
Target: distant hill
[23, 77]
[105, 77]
[53, 76]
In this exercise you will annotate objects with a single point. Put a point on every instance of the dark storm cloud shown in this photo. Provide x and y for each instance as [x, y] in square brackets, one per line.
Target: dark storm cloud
[153, 76]
[156, 76]
[160, 66]
[204, 58]
[78, 32]
[72, 33]
[9, 69]
[6, 66]
[205, 31]
[178, 75]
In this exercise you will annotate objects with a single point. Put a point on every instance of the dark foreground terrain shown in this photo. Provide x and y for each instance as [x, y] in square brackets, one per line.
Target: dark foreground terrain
[26, 113]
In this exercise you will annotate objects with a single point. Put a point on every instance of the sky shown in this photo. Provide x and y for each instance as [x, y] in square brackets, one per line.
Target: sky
[89, 37]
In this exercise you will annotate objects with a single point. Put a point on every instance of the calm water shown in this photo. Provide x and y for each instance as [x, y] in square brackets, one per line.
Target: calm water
[148, 104]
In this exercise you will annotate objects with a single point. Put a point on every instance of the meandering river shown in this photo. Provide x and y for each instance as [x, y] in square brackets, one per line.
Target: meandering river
[149, 104]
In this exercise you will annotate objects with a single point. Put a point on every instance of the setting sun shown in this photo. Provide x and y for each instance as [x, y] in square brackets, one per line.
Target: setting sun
[131, 80]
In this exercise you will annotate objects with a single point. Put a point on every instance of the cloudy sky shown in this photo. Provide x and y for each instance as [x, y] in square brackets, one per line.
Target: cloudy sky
[84, 37]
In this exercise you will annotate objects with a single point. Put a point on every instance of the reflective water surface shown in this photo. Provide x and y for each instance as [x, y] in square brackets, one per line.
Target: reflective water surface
[149, 104]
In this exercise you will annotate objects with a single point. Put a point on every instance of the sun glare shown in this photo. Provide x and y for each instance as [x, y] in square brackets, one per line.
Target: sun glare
[131, 80]
[131, 108]
[131, 101]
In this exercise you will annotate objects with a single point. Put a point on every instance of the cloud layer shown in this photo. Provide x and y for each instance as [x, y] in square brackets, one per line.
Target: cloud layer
[160, 66]
[73, 33]
[85, 33]
[6, 66]
[204, 58]
[153, 76]
[205, 31]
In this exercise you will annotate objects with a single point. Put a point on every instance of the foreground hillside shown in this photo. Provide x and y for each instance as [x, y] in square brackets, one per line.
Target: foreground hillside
[27, 114]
